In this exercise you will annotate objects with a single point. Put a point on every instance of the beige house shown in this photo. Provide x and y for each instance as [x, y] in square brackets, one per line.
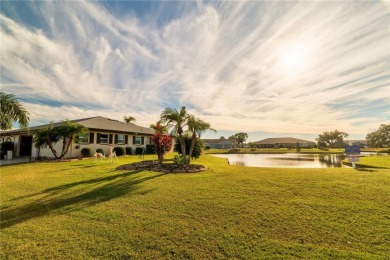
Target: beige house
[102, 133]
[284, 142]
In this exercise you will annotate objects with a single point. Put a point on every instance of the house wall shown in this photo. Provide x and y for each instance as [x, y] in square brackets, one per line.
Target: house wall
[75, 148]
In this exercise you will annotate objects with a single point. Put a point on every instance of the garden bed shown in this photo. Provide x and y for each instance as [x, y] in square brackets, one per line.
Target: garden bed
[165, 167]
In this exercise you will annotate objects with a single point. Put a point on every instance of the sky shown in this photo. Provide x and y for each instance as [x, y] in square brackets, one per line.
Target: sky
[267, 68]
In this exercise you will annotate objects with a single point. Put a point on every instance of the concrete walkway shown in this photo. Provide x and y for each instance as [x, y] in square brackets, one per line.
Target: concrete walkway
[16, 160]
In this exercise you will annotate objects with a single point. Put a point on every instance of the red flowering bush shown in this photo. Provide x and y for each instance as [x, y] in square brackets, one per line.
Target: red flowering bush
[162, 144]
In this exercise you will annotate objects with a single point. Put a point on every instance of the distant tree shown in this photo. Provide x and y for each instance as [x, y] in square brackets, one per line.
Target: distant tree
[128, 119]
[252, 145]
[232, 137]
[240, 138]
[11, 110]
[332, 139]
[380, 137]
[222, 138]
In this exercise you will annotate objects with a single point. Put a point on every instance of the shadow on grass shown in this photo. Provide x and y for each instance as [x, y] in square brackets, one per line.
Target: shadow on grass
[365, 170]
[70, 197]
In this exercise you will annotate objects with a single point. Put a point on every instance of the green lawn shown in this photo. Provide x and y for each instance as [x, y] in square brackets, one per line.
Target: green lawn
[374, 162]
[84, 209]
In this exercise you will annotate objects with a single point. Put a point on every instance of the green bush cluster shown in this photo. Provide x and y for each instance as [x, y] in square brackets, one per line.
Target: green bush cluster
[129, 151]
[138, 150]
[150, 149]
[180, 160]
[100, 150]
[207, 147]
[86, 152]
[120, 151]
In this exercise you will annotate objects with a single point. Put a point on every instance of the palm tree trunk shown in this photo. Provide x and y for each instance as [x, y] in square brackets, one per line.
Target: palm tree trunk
[67, 147]
[192, 146]
[53, 150]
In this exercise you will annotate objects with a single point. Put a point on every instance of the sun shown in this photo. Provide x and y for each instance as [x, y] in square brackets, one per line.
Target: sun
[294, 60]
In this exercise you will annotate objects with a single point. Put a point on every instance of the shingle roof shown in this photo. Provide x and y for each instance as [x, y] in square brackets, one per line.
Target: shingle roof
[283, 140]
[96, 123]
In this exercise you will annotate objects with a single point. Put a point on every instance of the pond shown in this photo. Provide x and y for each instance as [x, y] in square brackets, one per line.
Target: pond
[288, 160]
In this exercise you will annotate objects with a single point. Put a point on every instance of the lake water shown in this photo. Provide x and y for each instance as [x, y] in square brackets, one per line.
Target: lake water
[289, 160]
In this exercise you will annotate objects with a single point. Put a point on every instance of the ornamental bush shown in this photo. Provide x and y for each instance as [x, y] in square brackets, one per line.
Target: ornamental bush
[86, 152]
[138, 150]
[198, 146]
[100, 150]
[150, 149]
[120, 151]
[129, 151]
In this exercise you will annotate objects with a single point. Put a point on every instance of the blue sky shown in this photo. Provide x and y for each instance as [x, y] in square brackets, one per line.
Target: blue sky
[268, 68]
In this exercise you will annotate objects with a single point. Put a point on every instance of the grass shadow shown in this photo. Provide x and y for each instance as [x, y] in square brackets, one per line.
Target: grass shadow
[73, 196]
[365, 170]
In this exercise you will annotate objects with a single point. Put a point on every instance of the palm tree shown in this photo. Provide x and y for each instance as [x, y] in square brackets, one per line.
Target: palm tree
[11, 111]
[47, 137]
[177, 120]
[159, 128]
[68, 131]
[196, 127]
[128, 119]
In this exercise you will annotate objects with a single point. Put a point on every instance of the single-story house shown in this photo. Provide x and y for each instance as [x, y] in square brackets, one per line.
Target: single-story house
[102, 132]
[284, 142]
[220, 143]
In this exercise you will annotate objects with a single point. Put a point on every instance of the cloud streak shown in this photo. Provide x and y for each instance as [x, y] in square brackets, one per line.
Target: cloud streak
[225, 61]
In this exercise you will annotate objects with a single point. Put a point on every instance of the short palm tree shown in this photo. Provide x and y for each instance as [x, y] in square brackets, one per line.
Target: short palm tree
[128, 119]
[177, 120]
[196, 127]
[11, 110]
[159, 128]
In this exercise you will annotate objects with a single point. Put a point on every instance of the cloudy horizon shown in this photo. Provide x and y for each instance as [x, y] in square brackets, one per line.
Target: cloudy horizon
[270, 69]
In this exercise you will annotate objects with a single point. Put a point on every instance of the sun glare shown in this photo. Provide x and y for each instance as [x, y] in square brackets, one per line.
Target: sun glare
[294, 60]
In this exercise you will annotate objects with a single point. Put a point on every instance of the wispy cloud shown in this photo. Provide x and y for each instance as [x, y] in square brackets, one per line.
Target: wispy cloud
[287, 67]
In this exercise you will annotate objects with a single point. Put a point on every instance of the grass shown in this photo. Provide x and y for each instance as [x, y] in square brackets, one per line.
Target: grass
[78, 210]
[373, 162]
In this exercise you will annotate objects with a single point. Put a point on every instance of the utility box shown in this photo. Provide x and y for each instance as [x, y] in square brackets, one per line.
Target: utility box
[9, 155]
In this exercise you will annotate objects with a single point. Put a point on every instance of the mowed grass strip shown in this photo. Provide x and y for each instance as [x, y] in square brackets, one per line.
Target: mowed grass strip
[87, 209]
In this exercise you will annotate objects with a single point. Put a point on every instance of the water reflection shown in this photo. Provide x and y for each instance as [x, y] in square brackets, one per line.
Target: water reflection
[285, 160]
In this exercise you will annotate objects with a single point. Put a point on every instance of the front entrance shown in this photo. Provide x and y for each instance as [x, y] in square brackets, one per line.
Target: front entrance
[25, 145]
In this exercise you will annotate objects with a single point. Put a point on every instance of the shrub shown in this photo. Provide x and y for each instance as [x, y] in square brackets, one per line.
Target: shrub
[198, 146]
[7, 146]
[207, 147]
[180, 160]
[100, 150]
[129, 151]
[138, 150]
[150, 149]
[234, 150]
[120, 151]
[86, 152]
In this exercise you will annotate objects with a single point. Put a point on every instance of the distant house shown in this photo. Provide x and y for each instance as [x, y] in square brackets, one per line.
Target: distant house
[361, 143]
[284, 142]
[102, 132]
[220, 143]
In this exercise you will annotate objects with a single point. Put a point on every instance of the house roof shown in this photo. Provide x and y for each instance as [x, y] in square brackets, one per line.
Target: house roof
[219, 141]
[95, 123]
[283, 140]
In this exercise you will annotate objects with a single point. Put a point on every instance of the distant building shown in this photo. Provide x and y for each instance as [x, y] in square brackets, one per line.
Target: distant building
[102, 132]
[284, 142]
[220, 143]
[361, 143]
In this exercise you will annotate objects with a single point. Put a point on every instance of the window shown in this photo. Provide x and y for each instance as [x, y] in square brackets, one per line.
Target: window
[84, 138]
[121, 139]
[137, 140]
[103, 139]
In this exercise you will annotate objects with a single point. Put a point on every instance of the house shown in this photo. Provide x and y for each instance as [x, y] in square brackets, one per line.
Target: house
[220, 143]
[284, 142]
[102, 132]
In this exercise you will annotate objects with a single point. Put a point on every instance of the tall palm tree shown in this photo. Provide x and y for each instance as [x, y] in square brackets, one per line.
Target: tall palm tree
[196, 127]
[177, 120]
[128, 119]
[10, 111]
[159, 128]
